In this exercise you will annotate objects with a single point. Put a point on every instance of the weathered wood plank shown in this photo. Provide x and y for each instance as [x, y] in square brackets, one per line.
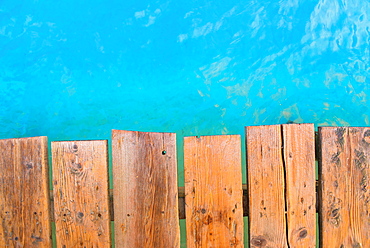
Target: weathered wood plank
[299, 158]
[344, 167]
[24, 193]
[181, 191]
[145, 189]
[81, 197]
[213, 191]
[265, 171]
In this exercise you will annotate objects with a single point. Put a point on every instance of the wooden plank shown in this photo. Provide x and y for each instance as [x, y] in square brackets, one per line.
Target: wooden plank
[299, 160]
[81, 197]
[344, 166]
[213, 191]
[265, 169]
[145, 189]
[181, 191]
[24, 193]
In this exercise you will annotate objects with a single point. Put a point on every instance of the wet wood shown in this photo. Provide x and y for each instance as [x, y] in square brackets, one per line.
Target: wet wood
[24, 193]
[299, 160]
[344, 191]
[145, 189]
[81, 197]
[213, 191]
[265, 171]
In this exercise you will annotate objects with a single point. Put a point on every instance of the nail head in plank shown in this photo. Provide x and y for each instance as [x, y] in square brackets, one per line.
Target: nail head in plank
[265, 171]
[24, 193]
[81, 194]
[145, 189]
[213, 191]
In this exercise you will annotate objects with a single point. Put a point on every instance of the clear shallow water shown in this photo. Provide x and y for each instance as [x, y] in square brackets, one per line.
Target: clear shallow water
[76, 70]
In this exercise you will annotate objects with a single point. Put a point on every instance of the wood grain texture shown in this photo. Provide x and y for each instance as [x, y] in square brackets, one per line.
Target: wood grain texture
[344, 191]
[81, 197]
[145, 189]
[24, 193]
[213, 191]
[299, 158]
[265, 171]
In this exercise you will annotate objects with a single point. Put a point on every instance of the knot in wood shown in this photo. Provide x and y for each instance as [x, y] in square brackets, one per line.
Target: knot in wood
[259, 241]
[303, 234]
[366, 138]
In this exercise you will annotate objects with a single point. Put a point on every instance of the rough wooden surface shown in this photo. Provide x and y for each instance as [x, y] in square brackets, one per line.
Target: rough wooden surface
[345, 195]
[24, 193]
[299, 158]
[213, 191]
[181, 191]
[81, 197]
[145, 189]
[265, 171]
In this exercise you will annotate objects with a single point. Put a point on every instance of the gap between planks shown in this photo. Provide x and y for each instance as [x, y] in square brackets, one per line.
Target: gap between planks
[181, 191]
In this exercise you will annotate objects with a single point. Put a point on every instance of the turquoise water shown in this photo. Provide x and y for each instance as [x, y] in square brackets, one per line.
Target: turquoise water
[77, 69]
